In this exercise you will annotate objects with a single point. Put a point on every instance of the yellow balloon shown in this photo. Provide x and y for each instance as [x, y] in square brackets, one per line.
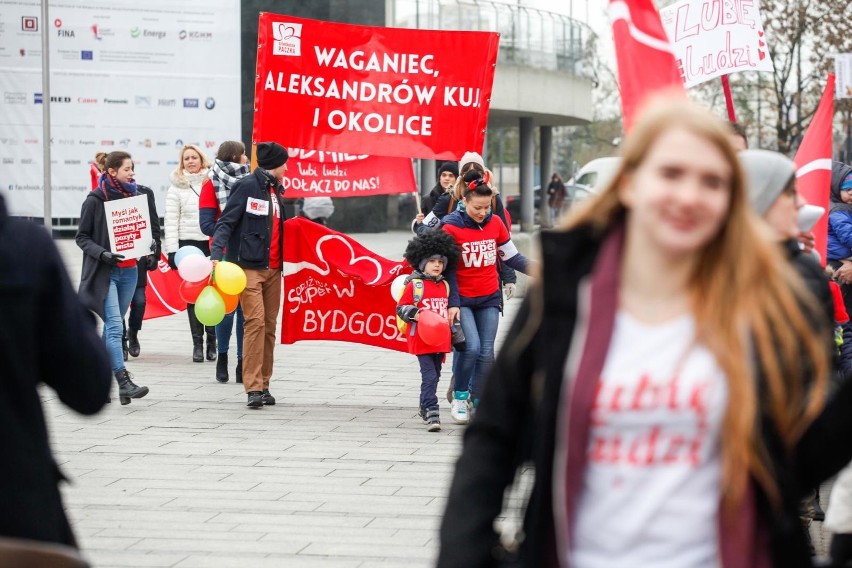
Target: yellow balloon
[230, 278]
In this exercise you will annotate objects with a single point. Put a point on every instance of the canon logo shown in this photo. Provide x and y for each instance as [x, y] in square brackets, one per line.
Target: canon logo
[87, 101]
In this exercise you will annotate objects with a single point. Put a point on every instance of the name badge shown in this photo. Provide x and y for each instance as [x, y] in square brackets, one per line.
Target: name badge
[257, 206]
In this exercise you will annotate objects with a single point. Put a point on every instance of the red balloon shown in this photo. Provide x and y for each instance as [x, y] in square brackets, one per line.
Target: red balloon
[189, 291]
[433, 329]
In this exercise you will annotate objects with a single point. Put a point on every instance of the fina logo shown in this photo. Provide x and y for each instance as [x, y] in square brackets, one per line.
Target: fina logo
[209, 103]
[288, 39]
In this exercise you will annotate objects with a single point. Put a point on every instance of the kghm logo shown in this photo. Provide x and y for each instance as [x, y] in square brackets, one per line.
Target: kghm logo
[287, 39]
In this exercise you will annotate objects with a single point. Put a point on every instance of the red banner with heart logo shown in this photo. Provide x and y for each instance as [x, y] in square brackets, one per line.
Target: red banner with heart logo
[336, 289]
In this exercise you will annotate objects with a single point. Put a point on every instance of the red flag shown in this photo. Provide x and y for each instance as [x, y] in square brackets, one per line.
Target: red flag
[161, 295]
[336, 289]
[646, 63]
[813, 164]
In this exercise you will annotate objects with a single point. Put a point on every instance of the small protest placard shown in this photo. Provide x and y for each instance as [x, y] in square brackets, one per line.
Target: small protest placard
[711, 38]
[843, 73]
[129, 226]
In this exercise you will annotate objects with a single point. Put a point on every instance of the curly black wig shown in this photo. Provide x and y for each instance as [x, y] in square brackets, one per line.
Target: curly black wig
[426, 244]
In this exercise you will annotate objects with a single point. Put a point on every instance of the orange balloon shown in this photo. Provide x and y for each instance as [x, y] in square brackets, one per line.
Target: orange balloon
[231, 302]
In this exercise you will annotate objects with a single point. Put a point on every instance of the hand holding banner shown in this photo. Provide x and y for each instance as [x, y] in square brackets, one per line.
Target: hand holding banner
[372, 90]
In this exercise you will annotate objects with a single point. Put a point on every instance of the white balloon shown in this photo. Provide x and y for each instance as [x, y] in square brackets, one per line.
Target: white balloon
[398, 286]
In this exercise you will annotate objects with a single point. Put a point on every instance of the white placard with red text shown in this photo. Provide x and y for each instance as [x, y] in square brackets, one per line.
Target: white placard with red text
[711, 38]
[129, 226]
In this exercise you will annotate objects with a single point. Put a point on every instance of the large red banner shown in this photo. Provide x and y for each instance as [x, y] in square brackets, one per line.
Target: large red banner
[312, 173]
[372, 90]
[336, 289]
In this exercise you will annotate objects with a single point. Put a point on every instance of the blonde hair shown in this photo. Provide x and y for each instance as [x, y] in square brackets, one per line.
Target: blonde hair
[749, 304]
[205, 162]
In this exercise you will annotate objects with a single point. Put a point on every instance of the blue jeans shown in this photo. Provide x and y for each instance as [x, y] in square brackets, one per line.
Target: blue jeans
[480, 331]
[122, 284]
[430, 373]
[226, 326]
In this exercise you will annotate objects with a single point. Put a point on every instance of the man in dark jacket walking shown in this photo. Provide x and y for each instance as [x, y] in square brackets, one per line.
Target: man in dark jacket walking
[250, 233]
[46, 335]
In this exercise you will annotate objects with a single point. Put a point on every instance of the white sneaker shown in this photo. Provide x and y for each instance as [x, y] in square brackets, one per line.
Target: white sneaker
[459, 412]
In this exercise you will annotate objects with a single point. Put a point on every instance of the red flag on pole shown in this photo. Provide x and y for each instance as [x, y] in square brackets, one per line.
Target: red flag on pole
[813, 164]
[646, 63]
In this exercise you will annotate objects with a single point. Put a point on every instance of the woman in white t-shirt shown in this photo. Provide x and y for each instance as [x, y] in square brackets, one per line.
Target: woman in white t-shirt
[665, 377]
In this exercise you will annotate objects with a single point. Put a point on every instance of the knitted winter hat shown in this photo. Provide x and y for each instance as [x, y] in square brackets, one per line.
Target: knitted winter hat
[847, 183]
[767, 175]
[271, 155]
[471, 157]
[440, 257]
[451, 167]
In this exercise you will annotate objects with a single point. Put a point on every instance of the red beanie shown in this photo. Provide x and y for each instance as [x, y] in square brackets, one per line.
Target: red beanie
[840, 315]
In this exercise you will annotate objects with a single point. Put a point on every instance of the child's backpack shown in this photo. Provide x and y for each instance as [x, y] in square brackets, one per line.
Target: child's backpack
[401, 324]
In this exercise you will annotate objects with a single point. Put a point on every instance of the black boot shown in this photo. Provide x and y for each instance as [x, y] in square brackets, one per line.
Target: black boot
[222, 368]
[211, 343]
[127, 389]
[124, 341]
[133, 342]
[239, 371]
[197, 330]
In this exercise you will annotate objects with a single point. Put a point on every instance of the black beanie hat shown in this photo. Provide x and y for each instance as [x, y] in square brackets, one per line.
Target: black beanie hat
[271, 155]
[451, 167]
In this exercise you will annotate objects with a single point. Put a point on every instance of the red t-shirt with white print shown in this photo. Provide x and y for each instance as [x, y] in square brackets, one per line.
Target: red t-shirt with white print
[476, 271]
[434, 299]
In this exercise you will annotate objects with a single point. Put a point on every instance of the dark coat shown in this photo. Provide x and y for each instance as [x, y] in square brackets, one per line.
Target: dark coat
[428, 202]
[46, 335]
[516, 421]
[142, 265]
[93, 238]
[246, 235]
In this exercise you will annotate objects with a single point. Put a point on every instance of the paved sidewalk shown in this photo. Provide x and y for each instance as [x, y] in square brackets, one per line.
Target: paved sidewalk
[340, 473]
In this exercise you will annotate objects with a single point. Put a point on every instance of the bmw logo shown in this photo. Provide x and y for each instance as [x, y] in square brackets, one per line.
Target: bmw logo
[209, 103]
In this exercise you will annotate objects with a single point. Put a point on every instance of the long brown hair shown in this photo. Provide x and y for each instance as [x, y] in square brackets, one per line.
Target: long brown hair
[750, 306]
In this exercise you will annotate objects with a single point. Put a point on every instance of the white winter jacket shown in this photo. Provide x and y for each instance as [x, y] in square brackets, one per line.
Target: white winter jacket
[182, 209]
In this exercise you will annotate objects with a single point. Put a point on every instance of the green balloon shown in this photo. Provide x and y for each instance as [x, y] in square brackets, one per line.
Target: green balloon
[209, 307]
